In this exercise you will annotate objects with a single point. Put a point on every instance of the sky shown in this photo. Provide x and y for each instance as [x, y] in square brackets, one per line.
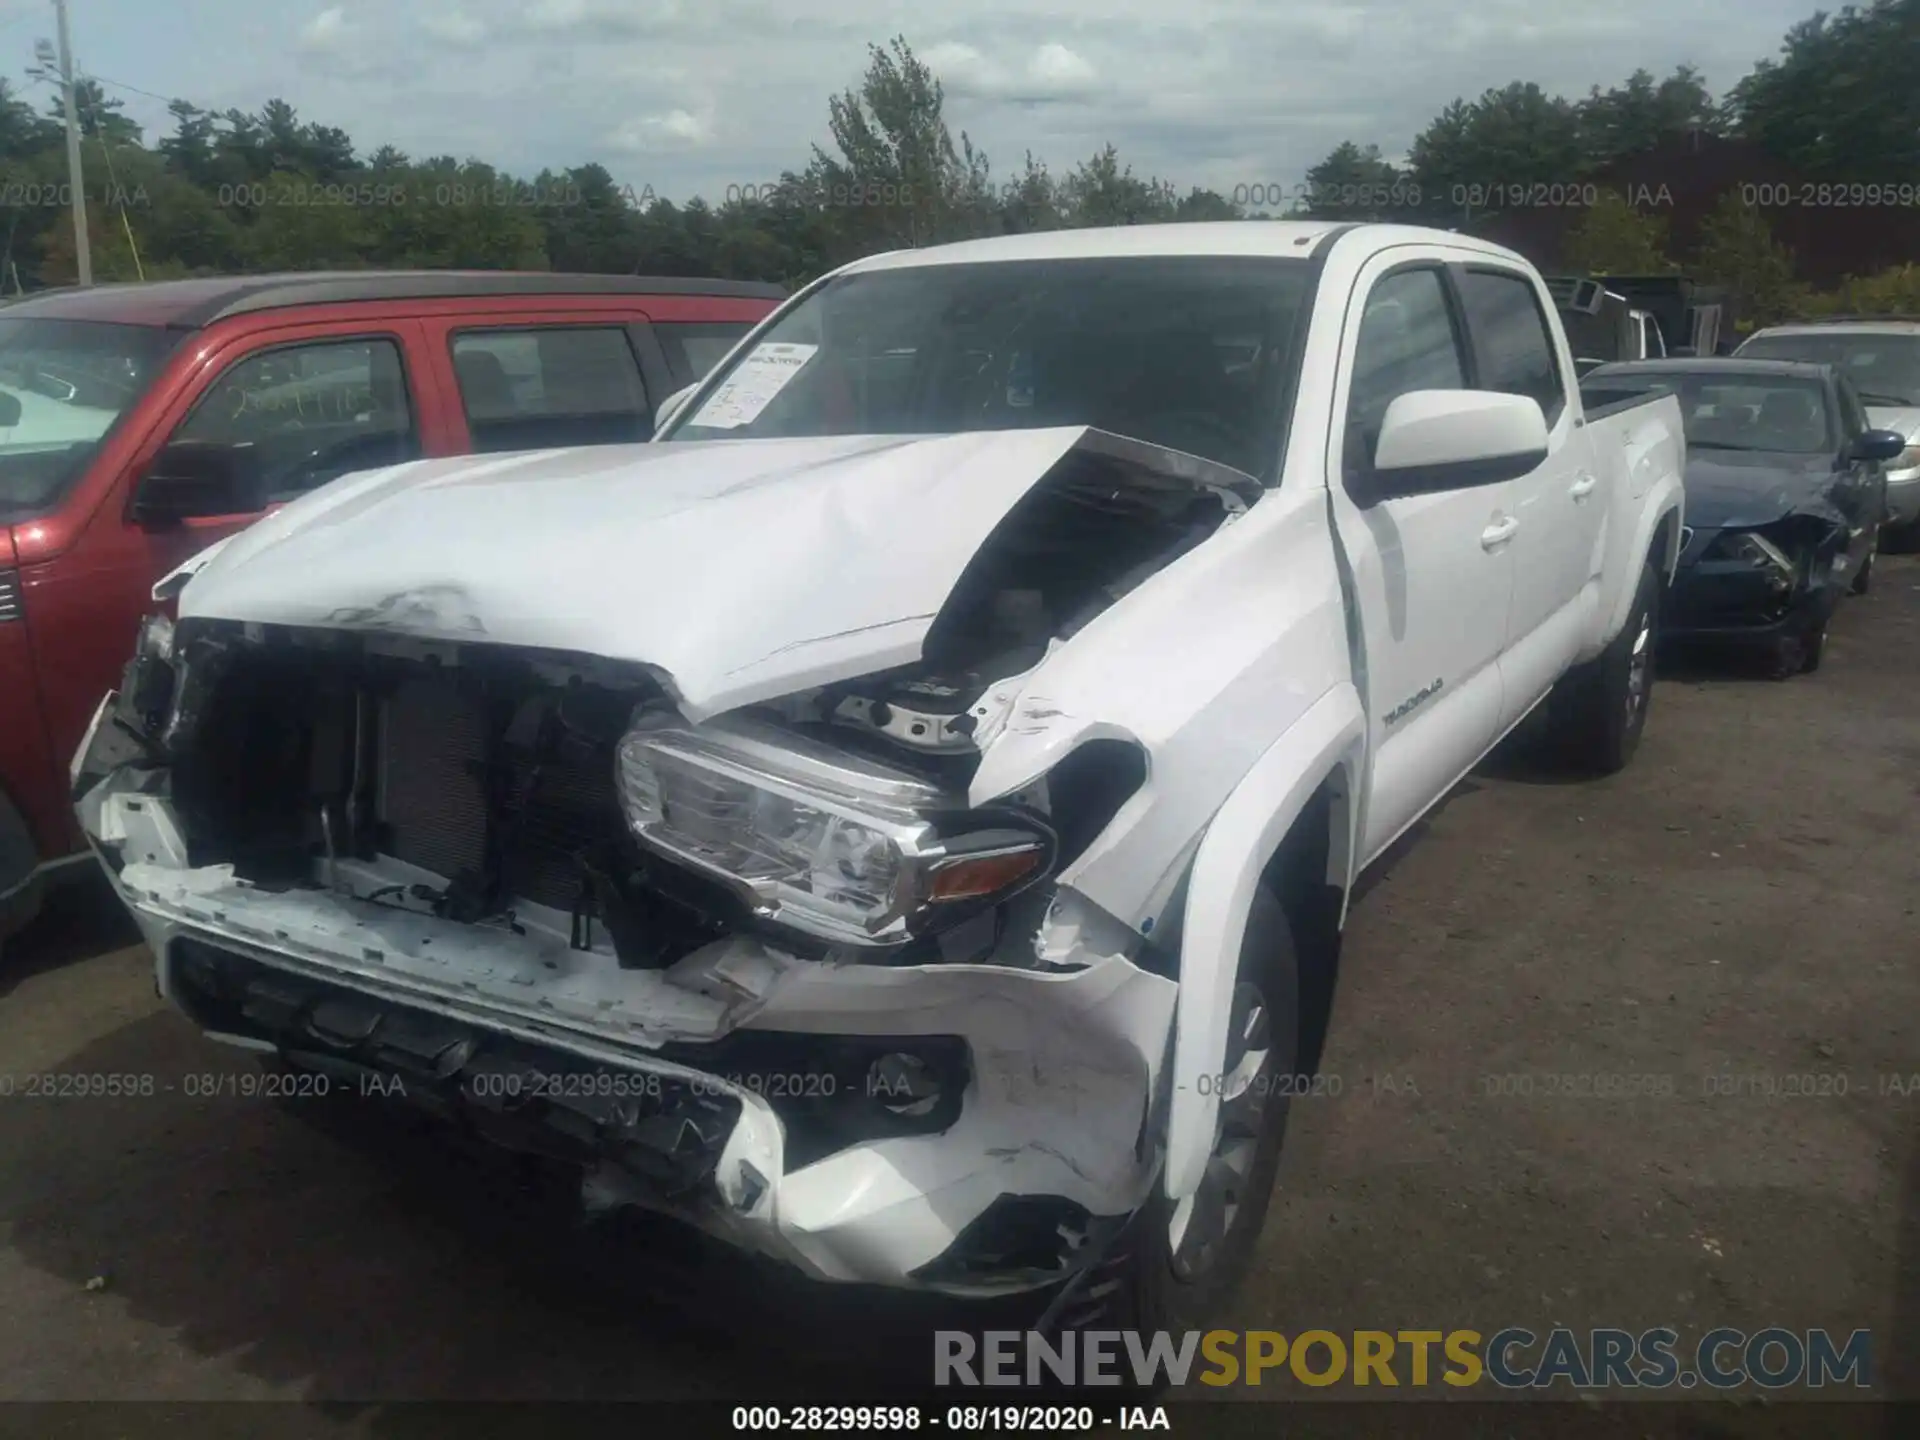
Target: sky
[706, 97]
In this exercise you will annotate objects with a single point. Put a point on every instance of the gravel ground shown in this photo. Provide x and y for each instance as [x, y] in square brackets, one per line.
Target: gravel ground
[1740, 903]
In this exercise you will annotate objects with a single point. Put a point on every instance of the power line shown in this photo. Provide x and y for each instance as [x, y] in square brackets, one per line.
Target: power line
[132, 89]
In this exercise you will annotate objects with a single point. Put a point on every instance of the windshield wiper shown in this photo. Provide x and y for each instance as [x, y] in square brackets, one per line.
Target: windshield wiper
[1873, 399]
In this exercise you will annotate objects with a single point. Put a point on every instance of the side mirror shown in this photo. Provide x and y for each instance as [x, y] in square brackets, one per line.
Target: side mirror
[1878, 444]
[191, 479]
[1433, 440]
[9, 409]
[671, 406]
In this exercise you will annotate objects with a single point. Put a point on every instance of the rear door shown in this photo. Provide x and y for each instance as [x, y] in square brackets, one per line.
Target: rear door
[529, 379]
[1433, 573]
[1560, 505]
[521, 379]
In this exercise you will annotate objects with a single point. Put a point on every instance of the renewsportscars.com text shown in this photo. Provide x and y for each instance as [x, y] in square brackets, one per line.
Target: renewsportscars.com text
[1512, 1359]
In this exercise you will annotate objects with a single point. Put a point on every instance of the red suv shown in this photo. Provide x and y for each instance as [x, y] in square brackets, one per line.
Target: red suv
[140, 423]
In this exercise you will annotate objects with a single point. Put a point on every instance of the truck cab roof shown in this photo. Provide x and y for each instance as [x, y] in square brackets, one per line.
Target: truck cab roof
[1277, 239]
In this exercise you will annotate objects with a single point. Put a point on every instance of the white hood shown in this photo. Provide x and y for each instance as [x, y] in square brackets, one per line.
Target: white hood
[743, 570]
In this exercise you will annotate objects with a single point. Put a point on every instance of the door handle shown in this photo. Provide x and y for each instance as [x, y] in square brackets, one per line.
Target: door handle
[1583, 486]
[1498, 533]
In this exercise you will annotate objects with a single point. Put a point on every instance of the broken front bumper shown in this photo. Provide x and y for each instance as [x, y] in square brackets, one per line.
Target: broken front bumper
[1724, 604]
[970, 1129]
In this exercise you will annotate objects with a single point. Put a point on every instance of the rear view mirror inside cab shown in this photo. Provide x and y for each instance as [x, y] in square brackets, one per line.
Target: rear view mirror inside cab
[1432, 440]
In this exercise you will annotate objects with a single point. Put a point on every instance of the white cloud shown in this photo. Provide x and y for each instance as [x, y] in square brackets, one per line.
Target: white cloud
[1059, 71]
[1051, 72]
[652, 134]
[327, 31]
[606, 18]
[456, 27]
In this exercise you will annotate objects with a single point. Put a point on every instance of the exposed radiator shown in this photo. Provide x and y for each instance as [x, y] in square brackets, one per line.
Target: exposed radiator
[433, 800]
[432, 741]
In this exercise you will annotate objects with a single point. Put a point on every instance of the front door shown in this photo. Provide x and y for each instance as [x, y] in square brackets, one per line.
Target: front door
[310, 402]
[1433, 573]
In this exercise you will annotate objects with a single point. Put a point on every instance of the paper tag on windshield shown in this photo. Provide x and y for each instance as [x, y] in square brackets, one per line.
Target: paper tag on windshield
[766, 371]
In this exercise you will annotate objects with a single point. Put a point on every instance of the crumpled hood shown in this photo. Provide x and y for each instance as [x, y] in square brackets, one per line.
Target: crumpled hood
[1732, 489]
[742, 569]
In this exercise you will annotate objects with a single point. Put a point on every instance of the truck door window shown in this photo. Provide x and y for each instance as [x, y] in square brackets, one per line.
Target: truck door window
[1511, 339]
[307, 414]
[536, 388]
[1407, 342]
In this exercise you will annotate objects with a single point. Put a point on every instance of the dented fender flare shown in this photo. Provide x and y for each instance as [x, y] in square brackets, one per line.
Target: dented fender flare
[1242, 837]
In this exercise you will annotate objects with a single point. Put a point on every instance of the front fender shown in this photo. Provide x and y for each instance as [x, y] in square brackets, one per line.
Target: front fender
[1331, 736]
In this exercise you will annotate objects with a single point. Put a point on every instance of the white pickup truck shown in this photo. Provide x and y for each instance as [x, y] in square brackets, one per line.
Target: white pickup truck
[901, 820]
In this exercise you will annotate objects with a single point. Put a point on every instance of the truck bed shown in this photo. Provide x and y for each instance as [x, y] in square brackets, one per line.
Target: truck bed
[1601, 399]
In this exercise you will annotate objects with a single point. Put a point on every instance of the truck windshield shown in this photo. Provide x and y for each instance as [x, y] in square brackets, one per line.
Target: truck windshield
[1190, 352]
[1884, 368]
[70, 380]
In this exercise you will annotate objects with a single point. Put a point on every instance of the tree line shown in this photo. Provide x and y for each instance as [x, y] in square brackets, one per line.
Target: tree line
[238, 191]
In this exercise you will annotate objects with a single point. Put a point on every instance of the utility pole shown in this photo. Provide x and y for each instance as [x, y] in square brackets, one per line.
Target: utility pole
[82, 255]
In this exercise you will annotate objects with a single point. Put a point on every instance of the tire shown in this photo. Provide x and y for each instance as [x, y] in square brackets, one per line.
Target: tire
[1813, 649]
[1598, 711]
[1147, 1284]
[1900, 539]
[1799, 654]
[1863, 582]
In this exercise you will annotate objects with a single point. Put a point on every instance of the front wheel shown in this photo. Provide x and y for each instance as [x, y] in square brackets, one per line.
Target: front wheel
[1798, 654]
[1599, 710]
[1178, 1263]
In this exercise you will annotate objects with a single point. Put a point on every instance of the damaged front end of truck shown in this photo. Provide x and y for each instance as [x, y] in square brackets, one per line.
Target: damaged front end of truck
[713, 904]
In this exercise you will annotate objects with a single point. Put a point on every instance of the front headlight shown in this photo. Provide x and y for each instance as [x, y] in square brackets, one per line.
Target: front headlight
[835, 845]
[154, 638]
[147, 684]
[1755, 550]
